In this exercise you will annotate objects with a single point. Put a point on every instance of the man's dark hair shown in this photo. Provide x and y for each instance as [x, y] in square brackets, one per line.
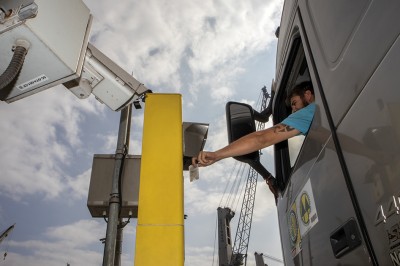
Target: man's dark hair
[299, 90]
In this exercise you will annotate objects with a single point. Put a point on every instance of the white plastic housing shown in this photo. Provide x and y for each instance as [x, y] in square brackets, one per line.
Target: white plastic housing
[58, 38]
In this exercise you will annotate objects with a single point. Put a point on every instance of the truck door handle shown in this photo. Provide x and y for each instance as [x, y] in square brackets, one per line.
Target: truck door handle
[345, 238]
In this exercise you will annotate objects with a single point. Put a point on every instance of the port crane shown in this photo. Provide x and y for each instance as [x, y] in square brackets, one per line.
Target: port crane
[4, 235]
[236, 254]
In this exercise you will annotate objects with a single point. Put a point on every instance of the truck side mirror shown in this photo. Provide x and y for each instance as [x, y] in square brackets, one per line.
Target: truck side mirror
[240, 122]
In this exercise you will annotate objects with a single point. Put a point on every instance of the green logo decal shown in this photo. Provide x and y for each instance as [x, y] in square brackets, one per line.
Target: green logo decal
[305, 208]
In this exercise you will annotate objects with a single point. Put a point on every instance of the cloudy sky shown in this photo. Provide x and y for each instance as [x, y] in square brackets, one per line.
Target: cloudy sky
[209, 51]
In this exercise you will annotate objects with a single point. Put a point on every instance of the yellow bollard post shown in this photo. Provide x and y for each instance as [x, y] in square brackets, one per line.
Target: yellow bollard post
[160, 229]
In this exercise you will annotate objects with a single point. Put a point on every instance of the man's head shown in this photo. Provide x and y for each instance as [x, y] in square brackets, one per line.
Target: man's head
[301, 96]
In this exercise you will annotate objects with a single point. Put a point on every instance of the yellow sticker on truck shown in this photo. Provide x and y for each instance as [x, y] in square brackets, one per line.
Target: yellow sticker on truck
[301, 217]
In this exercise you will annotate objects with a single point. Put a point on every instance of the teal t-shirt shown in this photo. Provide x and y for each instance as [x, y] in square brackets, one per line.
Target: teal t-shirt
[301, 120]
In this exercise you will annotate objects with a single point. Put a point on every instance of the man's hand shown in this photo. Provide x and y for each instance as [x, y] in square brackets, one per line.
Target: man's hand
[205, 158]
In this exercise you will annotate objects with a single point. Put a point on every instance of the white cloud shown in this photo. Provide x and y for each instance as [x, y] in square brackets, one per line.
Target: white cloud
[221, 95]
[80, 233]
[39, 134]
[231, 30]
[80, 185]
[68, 243]
[217, 134]
[201, 201]
[264, 203]
[109, 141]
[200, 256]
[160, 39]
[135, 144]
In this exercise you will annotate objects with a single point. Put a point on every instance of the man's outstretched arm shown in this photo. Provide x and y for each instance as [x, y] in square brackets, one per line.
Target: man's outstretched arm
[247, 144]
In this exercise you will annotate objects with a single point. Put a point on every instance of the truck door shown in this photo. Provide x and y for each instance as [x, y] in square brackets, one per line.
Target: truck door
[318, 221]
[356, 50]
[370, 139]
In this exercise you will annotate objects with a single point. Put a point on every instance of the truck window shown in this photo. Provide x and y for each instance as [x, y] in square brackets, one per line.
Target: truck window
[296, 71]
[300, 73]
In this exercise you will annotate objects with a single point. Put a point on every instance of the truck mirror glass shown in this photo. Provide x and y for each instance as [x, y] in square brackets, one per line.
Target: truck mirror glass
[240, 122]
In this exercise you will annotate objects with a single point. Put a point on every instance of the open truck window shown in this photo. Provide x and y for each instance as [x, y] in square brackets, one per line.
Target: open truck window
[296, 71]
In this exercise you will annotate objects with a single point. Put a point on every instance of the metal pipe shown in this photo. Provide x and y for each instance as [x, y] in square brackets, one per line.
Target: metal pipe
[118, 248]
[114, 202]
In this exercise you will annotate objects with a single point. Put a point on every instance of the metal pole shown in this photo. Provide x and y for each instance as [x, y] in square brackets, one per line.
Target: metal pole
[118, 248]
[114, 203]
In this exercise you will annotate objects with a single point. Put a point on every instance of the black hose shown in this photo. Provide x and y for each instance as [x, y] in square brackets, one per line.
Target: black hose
[14, 67]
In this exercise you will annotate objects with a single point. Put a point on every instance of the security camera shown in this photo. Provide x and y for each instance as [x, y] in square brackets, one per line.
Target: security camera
[108, 82]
